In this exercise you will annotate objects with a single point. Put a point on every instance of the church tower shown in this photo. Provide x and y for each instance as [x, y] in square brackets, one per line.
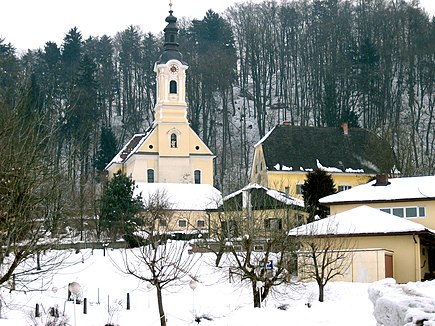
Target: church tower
[170, 151]
[171, 78]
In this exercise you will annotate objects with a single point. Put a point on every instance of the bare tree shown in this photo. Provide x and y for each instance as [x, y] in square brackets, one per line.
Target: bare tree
[255, 232]
[30, 200]
[324, 254]
[160, 261]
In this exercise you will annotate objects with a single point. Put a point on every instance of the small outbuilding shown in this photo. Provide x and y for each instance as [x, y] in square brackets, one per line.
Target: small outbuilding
[381, 245]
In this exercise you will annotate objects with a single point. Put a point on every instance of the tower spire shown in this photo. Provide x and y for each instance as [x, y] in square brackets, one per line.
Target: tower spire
[170, 47]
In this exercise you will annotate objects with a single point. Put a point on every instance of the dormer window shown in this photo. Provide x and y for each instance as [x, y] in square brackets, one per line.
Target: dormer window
[173, 87]
[174, 141]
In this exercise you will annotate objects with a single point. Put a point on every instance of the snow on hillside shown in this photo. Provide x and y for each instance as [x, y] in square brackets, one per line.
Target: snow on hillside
[220, 302]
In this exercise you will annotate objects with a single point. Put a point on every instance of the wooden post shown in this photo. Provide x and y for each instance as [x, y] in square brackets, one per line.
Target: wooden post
[37, 313]
[85, 306]
[128, 301]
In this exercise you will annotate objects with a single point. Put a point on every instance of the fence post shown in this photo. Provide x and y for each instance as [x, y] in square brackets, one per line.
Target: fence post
[128, 301]
[85, 306]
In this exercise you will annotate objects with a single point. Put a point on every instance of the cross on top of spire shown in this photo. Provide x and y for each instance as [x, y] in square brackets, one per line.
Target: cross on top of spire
[170, 5]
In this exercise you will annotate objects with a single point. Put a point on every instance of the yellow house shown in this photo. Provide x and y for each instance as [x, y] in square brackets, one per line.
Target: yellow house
[284, 156]
[185, 207]
[170, 151]
[262, 212]
[263, 208]
[378, 245]
[412, 198]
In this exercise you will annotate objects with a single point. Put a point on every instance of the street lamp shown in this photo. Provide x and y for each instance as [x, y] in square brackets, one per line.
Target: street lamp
[193, 284]
[75, 290]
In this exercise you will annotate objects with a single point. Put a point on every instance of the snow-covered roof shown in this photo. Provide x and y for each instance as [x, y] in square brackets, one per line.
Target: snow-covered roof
[130, 148]
[182, 196]
[404, 188]
[360, 220]
[280, 196]
[264, 137]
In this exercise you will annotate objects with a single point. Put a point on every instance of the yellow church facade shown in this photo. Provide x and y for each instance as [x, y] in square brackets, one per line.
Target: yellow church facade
[169, 160]
[169, 151]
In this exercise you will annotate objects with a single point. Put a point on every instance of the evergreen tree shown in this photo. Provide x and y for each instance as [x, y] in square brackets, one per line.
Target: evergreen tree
[107, 149]
[9, 72]
[71, 55]
[119, 214]
[318, 184]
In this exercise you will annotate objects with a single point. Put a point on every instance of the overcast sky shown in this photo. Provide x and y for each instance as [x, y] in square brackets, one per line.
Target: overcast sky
[30, 23]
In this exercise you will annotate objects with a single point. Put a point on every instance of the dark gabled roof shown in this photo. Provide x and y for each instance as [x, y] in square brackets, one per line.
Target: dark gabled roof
[307, 148]
[130, 146]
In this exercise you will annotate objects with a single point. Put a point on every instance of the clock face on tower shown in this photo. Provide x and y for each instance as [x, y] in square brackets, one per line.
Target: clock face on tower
[173, 69]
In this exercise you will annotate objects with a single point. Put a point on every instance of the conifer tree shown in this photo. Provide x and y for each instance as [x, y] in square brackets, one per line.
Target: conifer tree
[119, 213]
[107, 149]
[318, 184]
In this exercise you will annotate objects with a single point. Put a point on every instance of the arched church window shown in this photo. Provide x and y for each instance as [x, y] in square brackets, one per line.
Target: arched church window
[150, 175]
[197, 176]
[174, 141]
[173, 87]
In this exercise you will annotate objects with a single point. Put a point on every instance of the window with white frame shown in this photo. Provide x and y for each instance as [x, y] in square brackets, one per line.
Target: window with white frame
[174, 140]
[197, 176]
[406, 211]
[150, 175]
[182, 223]
[299, 189]
[162, 222]
[200, 224]
[273, 223]
[258, 247]
[173, 87]
[343, 187]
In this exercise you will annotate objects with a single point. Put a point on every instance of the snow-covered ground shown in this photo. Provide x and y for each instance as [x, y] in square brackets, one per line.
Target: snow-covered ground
[222, 303]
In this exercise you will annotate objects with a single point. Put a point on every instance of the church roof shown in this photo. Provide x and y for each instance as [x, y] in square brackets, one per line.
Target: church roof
[295, 148]
[131, 147]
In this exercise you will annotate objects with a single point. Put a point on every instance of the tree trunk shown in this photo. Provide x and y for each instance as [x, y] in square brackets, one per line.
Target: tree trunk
[219, 255]
[321, 292]
[256, 295]
[160, 304]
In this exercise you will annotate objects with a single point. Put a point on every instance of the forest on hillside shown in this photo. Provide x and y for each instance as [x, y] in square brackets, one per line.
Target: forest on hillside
[311, 63]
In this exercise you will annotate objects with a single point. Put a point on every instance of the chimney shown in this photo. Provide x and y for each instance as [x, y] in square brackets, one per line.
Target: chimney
[381, 180]
[345, 127]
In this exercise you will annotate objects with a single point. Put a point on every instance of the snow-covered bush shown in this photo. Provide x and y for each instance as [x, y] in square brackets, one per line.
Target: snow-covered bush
[403, 304]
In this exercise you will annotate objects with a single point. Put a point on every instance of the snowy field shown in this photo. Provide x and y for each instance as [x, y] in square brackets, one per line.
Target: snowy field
[222, 303]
